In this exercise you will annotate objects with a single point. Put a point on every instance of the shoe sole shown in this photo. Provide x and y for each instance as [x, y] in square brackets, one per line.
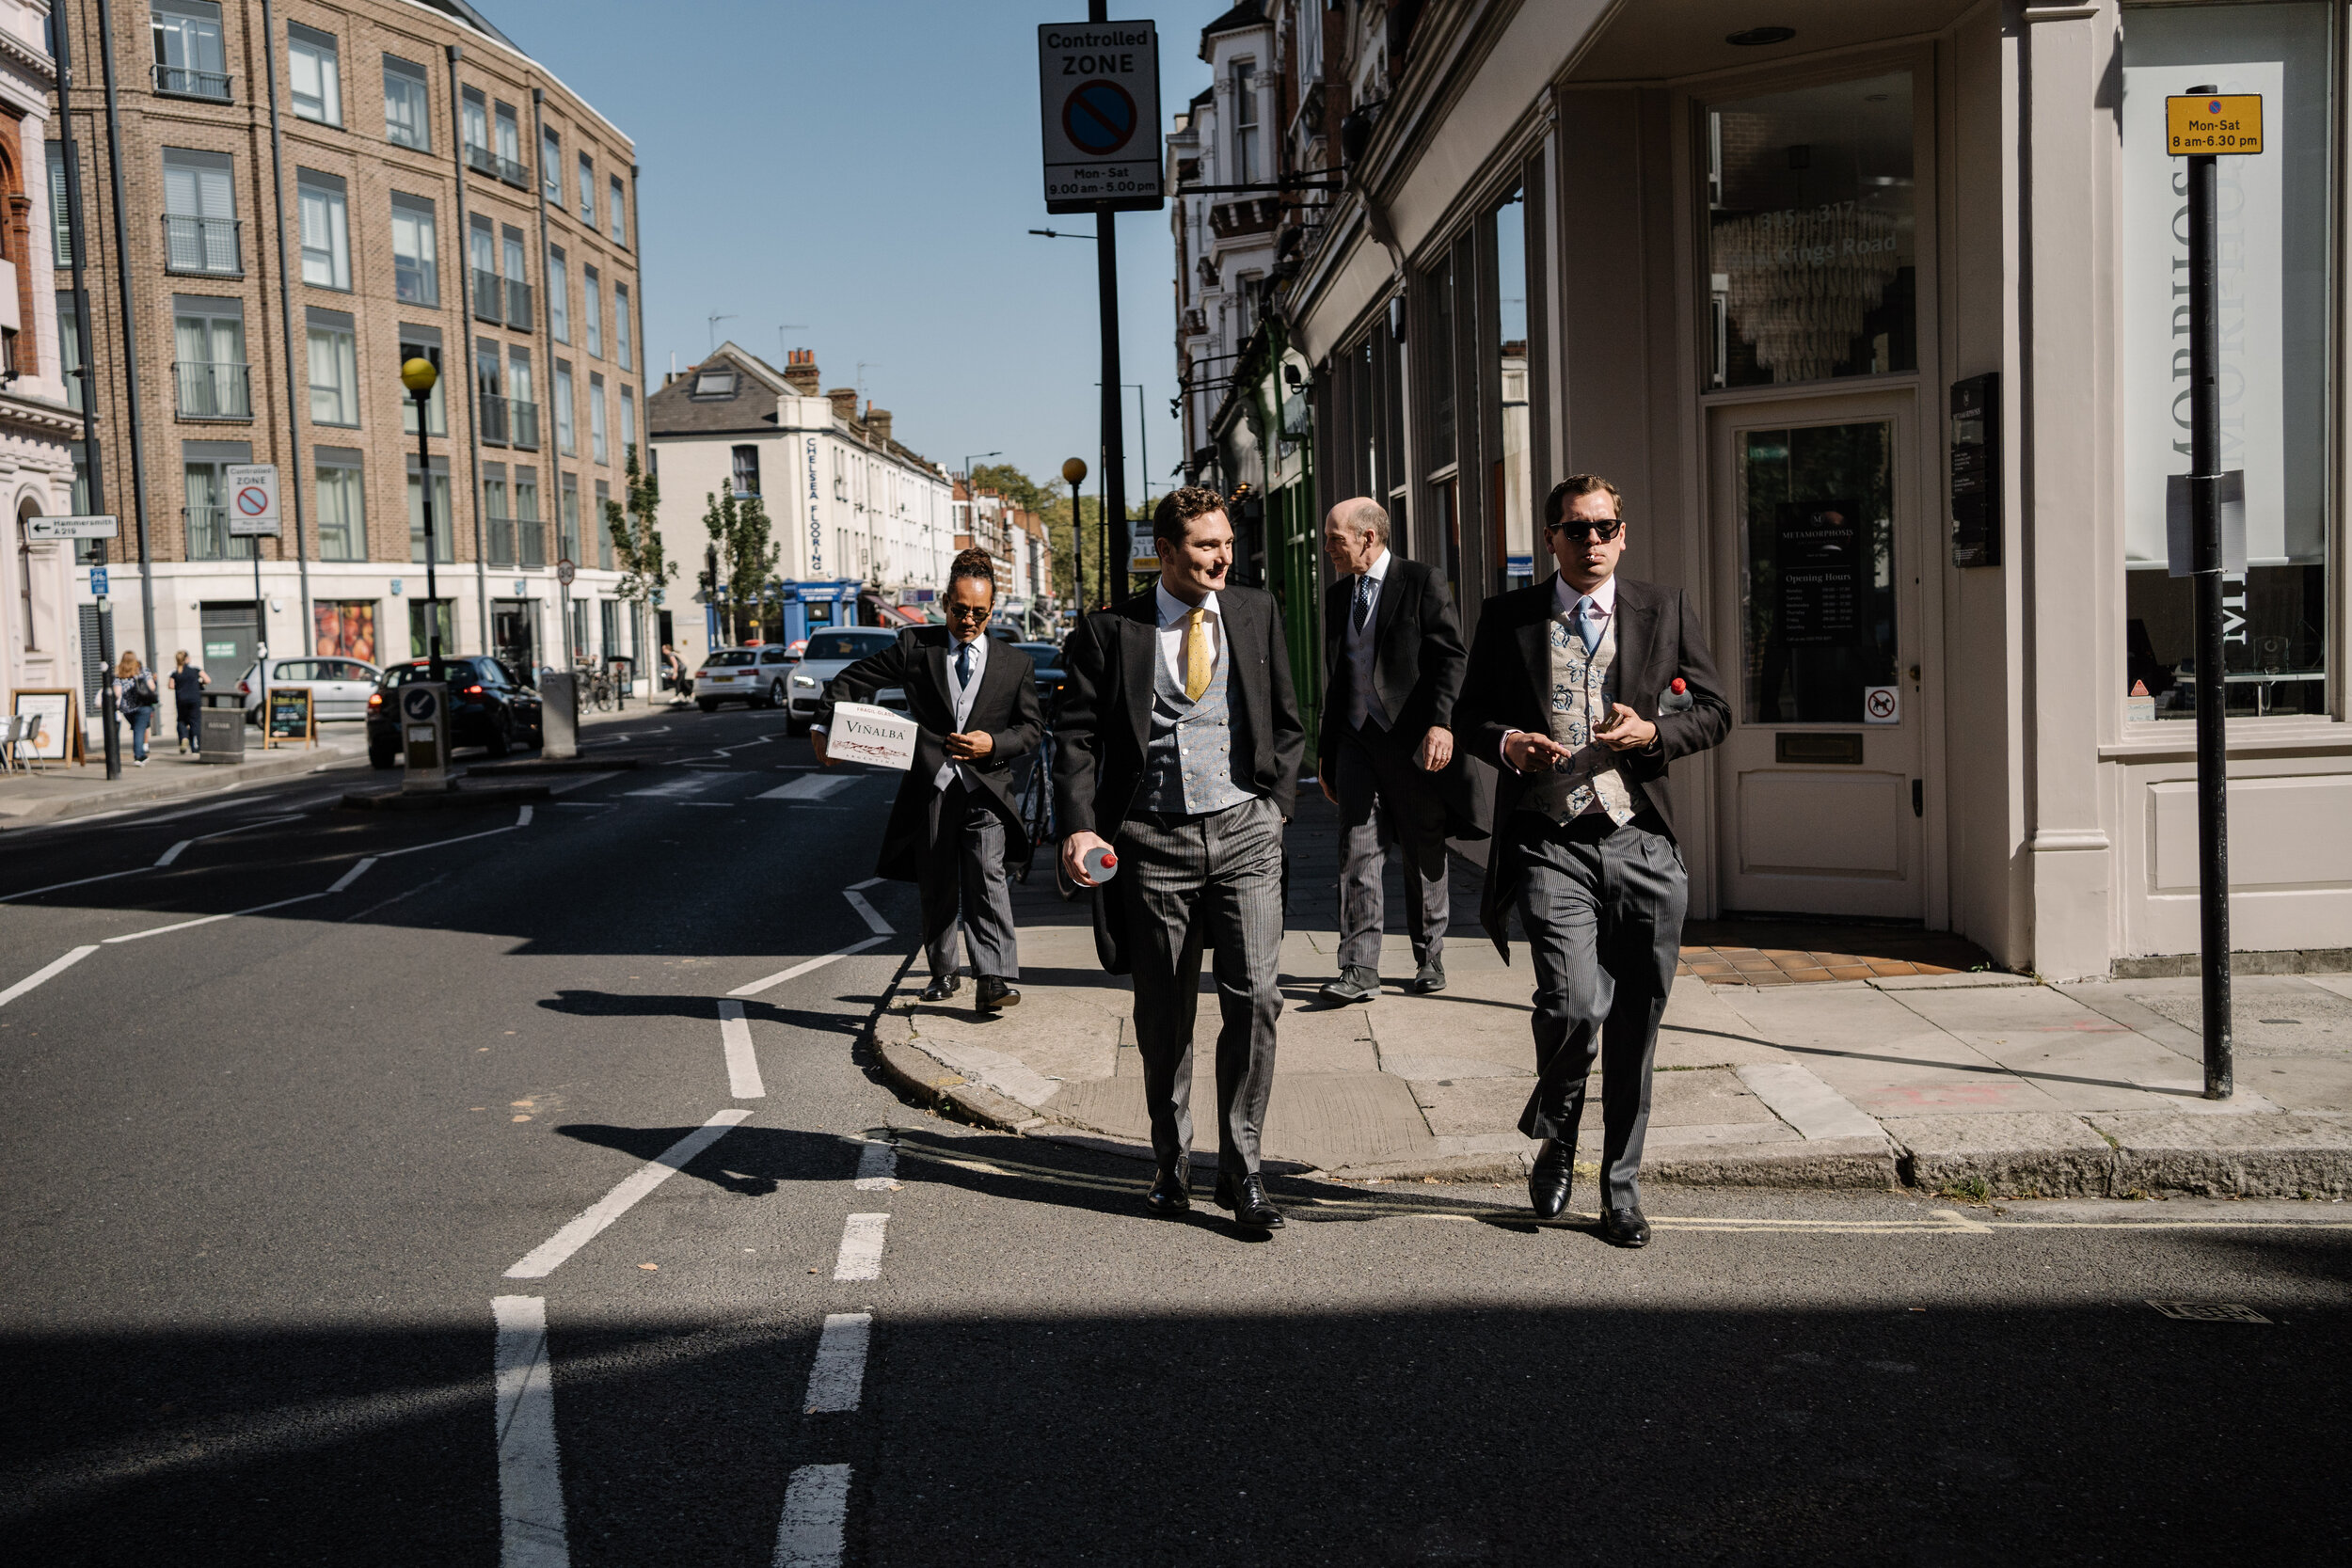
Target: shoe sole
[999, 1005]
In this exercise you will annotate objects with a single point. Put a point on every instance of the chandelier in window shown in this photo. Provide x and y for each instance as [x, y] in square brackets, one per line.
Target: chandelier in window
[1801, 282]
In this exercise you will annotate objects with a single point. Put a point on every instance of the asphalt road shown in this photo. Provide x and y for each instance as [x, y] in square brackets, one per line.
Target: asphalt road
[290, 1195]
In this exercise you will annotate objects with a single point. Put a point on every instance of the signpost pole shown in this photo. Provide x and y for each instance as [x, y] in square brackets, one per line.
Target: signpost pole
[106, 670]
[2204, 491]
[424, 499]
[260, 640]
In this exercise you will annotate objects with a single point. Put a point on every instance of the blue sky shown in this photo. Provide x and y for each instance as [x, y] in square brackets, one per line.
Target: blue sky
[871, 169]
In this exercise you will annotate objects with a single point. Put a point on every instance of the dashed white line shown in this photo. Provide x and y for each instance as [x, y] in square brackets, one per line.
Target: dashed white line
[877, 1167]
[855, 894]
[353, 875]
[49, 971]
[861, 1247]
[816, 1508]
[165, 859]
[781, 975]
[524, 821]
[445, 843]
[211, 919]
[548, 1255]
[530, 1477]
[735, 1033]
[173, 853]
[809, 787]
[685, 784]
[837, 1378]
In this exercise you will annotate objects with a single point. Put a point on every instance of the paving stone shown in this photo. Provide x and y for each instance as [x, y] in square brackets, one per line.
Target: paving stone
[2030, 1154]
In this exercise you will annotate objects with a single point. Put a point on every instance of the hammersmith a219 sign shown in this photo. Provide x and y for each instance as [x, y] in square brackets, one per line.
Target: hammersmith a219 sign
[1099, 92]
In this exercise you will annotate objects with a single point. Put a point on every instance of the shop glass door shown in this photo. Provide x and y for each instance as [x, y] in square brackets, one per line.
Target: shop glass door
[1820, 793]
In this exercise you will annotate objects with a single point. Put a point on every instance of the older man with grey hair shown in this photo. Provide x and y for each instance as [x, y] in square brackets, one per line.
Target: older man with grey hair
[1393, 660]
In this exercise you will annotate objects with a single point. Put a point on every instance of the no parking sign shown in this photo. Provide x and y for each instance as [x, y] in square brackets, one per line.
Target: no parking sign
[1099, 91]
[252, 500]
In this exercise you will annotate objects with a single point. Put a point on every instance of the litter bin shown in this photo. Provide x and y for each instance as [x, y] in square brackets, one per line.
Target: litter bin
[221, 722]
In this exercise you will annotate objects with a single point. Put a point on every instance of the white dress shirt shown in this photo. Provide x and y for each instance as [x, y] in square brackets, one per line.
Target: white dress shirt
[961, 697]
[1172, 613]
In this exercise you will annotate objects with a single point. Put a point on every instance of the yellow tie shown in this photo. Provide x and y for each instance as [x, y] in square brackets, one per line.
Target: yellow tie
[1196, 659]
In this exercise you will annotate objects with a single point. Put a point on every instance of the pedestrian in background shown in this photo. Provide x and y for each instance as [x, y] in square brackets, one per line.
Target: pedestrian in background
[136, 699]
[188, 682]
[672, 674]
[1392, 660]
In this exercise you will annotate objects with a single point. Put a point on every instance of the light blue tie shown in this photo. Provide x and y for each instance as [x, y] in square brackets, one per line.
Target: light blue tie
[1588, 623]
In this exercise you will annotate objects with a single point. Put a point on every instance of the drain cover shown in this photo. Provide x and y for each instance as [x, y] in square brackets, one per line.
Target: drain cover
[2209, 1311]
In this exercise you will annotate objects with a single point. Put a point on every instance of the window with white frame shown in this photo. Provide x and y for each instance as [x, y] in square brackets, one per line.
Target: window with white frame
[616, 213]
[559, 295]
[598, 451]
[325, 230]
[334, 368]
[60, 209]
[567, 438]
[1246, 161]
[314, 74]
[550, 163]
[190, 62]
[424, 342]
[592, 310]
[200, 213]
[621, 339]
[342, 509]
[587, 190]
[209, 369]
[629, 422]
[415, 267]
[407, 104]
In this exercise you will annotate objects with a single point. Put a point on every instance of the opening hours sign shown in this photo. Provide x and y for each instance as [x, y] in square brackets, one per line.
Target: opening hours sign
[1099, 94]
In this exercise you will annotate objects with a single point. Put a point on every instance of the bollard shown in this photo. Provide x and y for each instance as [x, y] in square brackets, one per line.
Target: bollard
[424, 737]
[559, 716]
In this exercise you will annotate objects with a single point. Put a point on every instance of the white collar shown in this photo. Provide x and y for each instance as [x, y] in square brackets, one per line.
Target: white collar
[1378, 570]
[1565, 597]
[1173, 610]
[979, 646]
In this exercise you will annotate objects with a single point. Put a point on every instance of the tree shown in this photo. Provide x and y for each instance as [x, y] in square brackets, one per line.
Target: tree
[747, 559]
[645, 569]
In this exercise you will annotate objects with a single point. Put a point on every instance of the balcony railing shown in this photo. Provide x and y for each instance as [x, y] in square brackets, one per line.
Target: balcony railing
[518, 305]
[493, 420]
[204, 245]
[208, 535]
[501, 541]
[523, 423]
[512, 172]
[213, 390]
[480, 157]
[487, 288]
[181, 81]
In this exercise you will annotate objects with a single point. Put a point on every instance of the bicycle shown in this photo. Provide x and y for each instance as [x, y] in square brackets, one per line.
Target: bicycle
[1035, 801]
[596, 685]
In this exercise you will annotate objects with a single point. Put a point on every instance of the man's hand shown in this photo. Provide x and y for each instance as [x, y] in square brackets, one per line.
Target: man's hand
[1074, 853]
[1323, 781]
[1530, 753]
[1436, 748]
[816, 744]
[1625, 730]
[969, 746]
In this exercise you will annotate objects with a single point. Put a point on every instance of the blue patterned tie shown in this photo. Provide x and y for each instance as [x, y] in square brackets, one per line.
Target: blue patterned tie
[1588, 623]
[963, 667]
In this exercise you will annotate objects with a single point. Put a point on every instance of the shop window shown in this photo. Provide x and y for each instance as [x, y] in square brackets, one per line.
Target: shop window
[2277, 212]
[1810, 234]
[344, 628]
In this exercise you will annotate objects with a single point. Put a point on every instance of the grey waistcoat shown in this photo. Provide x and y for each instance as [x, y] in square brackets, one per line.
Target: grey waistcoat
[1188, 763]
[1582, 687]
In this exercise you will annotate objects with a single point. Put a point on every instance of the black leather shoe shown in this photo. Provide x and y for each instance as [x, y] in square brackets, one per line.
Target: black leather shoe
[1171, 1193]
[1246, 1199]
[941, 987]
[1547, 1183]
[1431, 978]
[1625, 1227]
[995, 993]
[1357, 982]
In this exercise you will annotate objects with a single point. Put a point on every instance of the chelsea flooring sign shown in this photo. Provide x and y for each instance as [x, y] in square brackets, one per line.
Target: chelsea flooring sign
[1099, 91]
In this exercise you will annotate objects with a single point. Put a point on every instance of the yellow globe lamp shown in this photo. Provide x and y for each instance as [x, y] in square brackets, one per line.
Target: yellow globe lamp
[1074, 470]
[418, 375]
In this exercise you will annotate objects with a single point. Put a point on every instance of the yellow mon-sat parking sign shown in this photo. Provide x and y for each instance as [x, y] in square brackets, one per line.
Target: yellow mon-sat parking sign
[2218, 123]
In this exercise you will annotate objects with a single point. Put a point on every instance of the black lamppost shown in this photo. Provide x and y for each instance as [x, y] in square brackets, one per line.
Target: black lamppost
[418, 375]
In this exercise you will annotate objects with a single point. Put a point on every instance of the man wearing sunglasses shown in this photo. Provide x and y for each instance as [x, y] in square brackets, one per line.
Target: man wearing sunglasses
[973, 700]
[1565, 695]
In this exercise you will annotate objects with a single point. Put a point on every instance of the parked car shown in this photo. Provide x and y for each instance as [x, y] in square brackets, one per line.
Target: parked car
[753, 676]
[339, 687]
[1046, 658]
[828, 653]
[489, 707]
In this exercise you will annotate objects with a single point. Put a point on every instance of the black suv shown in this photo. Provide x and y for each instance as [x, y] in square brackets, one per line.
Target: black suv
[487, 706]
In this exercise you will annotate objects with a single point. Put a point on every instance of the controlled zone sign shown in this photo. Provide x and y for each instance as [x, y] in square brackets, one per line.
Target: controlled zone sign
[1099, 94]
[252, 500]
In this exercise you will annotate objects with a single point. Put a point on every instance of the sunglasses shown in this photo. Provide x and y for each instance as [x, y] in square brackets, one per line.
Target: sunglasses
[968, 613]
[1602, 529]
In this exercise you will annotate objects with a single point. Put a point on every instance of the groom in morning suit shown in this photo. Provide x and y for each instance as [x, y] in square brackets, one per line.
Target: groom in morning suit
[1563, 696]
[973, 700]
[1179, 743]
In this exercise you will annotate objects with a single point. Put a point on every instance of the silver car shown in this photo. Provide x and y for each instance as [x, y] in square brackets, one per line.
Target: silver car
[339, 687]
[754, 674]
[828, 654]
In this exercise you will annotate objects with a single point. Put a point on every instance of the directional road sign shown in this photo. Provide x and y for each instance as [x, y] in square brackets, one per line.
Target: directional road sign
[100, 525]
[1099, 92]
[252, 500]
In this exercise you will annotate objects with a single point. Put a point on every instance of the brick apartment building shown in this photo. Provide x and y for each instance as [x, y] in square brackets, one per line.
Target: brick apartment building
[422, 186]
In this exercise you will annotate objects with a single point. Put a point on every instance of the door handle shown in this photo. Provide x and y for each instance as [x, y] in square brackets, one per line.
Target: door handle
[1919, 798]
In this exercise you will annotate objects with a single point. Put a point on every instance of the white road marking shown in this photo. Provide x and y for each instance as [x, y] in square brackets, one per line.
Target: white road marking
[531, 1475]
[524, 821]
[861, 1247]
[808, 786]
[167, 857]
[211, 919]
[445, 843]
[570, 782]
[685, 784]
[543, 1259]
[781, 975]
[78, 881]
[877, 1167]
[173, 853]
[874, 922]
[49, 971]
[353, 875]
[735, 1033]
[838, 1376]
[816, 1508]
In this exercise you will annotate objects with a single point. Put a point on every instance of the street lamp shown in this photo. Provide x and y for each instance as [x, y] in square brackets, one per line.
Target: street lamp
[1074, 470]
[419, 376]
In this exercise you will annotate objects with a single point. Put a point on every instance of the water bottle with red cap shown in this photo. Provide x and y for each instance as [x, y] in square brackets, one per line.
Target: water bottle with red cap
[1676, 698]
[1100, 863]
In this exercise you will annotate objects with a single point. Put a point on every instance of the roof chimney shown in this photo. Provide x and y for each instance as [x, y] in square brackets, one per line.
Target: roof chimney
[844, 403]
[878, 423]
[800, 369]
